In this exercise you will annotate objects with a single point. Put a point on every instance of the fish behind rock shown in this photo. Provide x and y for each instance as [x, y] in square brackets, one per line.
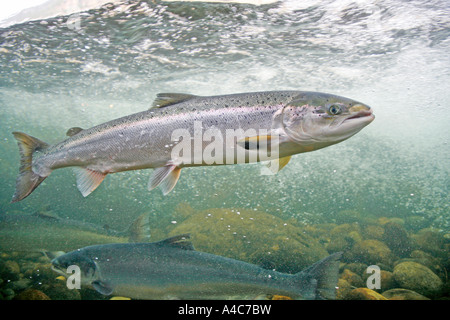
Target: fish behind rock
[43, 231]
[171, 268]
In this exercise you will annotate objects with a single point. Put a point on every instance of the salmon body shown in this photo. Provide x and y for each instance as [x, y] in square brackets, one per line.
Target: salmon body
[183, 130]
[42, 232]
[173, 269]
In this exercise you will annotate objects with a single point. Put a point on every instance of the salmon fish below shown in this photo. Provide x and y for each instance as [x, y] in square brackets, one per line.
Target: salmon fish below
[43, 232]
[172, 269]
[183, 130]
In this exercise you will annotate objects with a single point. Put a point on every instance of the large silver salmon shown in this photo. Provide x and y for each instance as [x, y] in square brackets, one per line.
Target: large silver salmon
[171, 269]
[183, 130]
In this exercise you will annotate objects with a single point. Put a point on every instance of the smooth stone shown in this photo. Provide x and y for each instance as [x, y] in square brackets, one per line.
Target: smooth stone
[372, 252]
[31, 294]
[364, 294]
[403, 294]
[417, 277]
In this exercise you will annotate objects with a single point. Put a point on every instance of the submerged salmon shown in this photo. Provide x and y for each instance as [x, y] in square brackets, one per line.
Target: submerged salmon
[43, 231]
[171, 268]
[183, 130]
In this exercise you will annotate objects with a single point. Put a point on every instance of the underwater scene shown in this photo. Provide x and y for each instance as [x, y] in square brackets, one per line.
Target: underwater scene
[353, 95]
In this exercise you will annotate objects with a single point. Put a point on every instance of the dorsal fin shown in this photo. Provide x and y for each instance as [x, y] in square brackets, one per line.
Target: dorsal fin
[167, 99]
[181, 241]
[73, 131]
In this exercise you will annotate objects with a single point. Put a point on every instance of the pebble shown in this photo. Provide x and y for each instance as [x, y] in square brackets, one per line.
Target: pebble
[364, 294]
[18, 285]
[397, 239]
[352, 278]
[403, 294]
[9, 270]
[417, 277]
[372, 252]
[343, 289]
[31, 294]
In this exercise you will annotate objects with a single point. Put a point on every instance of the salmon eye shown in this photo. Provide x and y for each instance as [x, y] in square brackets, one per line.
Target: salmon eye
[334, 109]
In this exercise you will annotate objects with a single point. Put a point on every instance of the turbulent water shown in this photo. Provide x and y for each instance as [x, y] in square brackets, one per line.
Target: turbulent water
[90, 67]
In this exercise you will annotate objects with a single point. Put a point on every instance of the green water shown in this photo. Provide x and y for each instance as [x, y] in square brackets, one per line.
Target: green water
[393, 56]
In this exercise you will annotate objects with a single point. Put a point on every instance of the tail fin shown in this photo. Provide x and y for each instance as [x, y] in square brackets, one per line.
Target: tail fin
[325, 272]
[27, 180]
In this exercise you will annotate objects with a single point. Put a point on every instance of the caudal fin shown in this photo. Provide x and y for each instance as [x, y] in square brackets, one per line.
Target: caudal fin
[325, 275]
[27, 180]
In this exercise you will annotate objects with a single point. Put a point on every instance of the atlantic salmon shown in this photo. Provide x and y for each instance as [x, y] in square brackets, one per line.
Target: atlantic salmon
[173, 269]
[183, 130]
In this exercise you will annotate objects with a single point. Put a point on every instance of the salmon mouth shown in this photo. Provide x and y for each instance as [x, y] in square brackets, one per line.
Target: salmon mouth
[363, 114]
[57, 267]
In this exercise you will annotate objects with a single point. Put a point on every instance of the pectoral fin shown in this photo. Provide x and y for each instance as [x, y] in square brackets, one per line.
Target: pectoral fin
[258, 142]
[166, 177]
[270, 142]
[88, 180]
[103, 287]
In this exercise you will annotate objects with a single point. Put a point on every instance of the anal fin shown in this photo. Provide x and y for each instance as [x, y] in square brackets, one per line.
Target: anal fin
[88, 180]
